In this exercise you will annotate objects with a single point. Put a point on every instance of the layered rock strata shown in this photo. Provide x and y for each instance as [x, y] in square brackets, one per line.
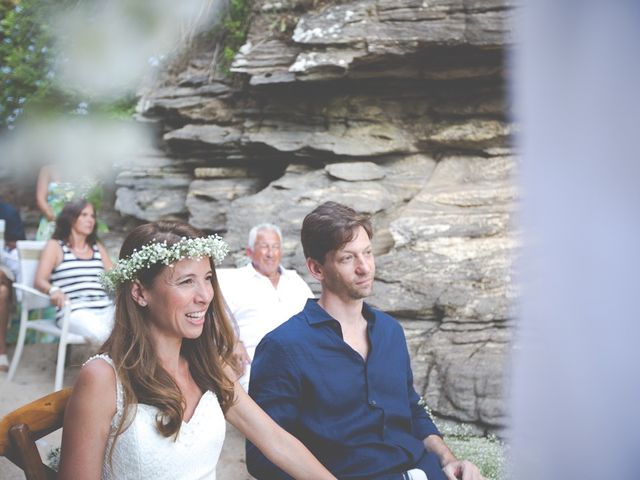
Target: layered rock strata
[396, 108]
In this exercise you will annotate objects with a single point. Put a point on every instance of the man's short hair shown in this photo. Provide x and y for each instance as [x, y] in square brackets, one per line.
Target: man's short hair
[253, 233]
[329, 227]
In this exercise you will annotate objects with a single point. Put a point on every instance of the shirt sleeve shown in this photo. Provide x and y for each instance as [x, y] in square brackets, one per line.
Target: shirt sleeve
[275, 387]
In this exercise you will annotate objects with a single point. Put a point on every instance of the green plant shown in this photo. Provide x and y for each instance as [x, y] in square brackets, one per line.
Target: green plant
[236, 27]
[27, 72]
[121, 108]
[488, 453]
[53, 458]
[27, 66]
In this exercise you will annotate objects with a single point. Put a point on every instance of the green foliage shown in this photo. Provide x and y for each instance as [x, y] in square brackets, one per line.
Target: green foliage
[94, 196]
[27, 66]
[53, 458]
[488, 453]
[26, 72]
[236, 27]
[121, 108]
[32, 336]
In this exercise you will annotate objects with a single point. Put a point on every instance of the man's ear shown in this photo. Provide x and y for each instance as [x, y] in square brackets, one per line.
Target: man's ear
[315, 268]
[249, 252]
[139, 294]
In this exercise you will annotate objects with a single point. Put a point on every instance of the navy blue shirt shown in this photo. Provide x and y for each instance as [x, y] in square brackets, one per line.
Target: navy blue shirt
[360, 418]
[13, 228]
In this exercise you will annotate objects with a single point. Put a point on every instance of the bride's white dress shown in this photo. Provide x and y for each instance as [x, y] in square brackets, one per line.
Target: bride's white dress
[140, 452]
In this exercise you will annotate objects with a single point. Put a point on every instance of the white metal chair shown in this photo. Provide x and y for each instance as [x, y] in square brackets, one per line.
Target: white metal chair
[30, 299]
[1, 235]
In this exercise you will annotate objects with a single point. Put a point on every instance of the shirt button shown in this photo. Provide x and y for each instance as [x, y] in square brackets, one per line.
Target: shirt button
[372, 403]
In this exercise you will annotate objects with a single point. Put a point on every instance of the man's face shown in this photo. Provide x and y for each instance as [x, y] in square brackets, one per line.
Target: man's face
[266, 254]
[349, 271]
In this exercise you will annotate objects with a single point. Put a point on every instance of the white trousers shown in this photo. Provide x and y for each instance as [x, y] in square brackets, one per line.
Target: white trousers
[415, 474]
[94, 325]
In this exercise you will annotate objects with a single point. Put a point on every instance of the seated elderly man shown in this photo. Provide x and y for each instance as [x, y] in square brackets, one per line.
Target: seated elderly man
[263, 294]
[13, 231]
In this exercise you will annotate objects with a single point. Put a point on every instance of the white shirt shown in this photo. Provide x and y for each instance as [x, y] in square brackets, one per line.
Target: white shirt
[10, 263]
[257, 306]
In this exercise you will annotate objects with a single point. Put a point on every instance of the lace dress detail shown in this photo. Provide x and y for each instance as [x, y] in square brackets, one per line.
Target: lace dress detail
[140, 452]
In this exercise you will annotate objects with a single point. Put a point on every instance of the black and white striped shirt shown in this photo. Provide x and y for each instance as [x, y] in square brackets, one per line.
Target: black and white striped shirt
[79, 280]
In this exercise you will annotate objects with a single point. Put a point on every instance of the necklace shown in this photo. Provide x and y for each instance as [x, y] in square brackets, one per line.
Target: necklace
[81, 250]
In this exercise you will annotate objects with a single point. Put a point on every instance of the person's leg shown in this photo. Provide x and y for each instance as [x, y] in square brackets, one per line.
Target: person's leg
[430, 464]
[95, 326]
[5, 308]
[416, 474]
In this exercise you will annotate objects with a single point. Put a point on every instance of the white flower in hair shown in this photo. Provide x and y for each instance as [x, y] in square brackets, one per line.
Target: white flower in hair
[126, 269]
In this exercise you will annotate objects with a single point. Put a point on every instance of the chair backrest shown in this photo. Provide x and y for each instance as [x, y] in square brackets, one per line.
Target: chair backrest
[1, 234]
[29, 252]
[20, 429]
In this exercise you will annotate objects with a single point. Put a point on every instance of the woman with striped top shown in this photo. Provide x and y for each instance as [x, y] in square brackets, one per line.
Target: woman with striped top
[70, 268]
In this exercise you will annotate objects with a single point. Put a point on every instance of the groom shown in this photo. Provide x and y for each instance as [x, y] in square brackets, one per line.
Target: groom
[337, 375]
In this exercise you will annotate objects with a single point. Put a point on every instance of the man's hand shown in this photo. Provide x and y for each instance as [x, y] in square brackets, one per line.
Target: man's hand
[453, 468]
[462, 470]
[241, 358]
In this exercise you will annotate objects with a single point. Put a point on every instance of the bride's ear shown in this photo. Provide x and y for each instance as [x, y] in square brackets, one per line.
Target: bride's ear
[139, 294]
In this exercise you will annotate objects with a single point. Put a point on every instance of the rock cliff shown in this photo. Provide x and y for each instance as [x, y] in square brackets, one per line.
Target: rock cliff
[395, 107]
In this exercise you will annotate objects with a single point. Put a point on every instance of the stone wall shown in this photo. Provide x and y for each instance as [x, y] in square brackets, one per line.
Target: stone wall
[395, 107]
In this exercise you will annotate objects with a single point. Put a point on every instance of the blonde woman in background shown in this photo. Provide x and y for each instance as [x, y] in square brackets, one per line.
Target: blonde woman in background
[54, 191]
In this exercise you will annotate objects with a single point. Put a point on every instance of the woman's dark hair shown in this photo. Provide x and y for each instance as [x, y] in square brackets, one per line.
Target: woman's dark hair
[329, 227]
[68, 216]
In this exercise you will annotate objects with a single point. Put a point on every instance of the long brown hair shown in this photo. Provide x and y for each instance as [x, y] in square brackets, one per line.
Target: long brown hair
[134, 354]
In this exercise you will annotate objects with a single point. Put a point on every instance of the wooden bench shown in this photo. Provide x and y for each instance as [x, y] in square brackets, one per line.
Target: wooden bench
[20, 429]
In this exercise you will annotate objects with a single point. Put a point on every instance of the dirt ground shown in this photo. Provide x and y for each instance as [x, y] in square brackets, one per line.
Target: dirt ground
[34, 379]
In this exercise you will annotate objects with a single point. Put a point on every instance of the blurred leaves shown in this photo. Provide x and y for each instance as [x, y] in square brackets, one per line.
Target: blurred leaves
[28, 79]
[26, 60]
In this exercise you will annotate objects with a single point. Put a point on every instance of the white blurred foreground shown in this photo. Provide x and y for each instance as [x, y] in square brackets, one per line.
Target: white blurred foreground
[576, 387]
[81, 148]
[104, 52]
[106, 48]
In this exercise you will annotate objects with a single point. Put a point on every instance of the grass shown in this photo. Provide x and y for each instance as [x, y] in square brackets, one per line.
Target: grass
[488, 453]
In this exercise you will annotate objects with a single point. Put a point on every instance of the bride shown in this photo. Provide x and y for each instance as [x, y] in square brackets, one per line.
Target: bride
[153, 404]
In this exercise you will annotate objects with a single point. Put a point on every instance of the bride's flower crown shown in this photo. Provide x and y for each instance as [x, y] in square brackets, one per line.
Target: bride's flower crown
[127, 269]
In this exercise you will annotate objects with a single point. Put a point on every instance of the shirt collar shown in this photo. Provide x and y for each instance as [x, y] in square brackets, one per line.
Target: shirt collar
[316, 314]
[253, 270]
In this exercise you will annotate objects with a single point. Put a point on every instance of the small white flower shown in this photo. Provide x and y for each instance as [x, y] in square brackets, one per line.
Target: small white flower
[126, 269]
